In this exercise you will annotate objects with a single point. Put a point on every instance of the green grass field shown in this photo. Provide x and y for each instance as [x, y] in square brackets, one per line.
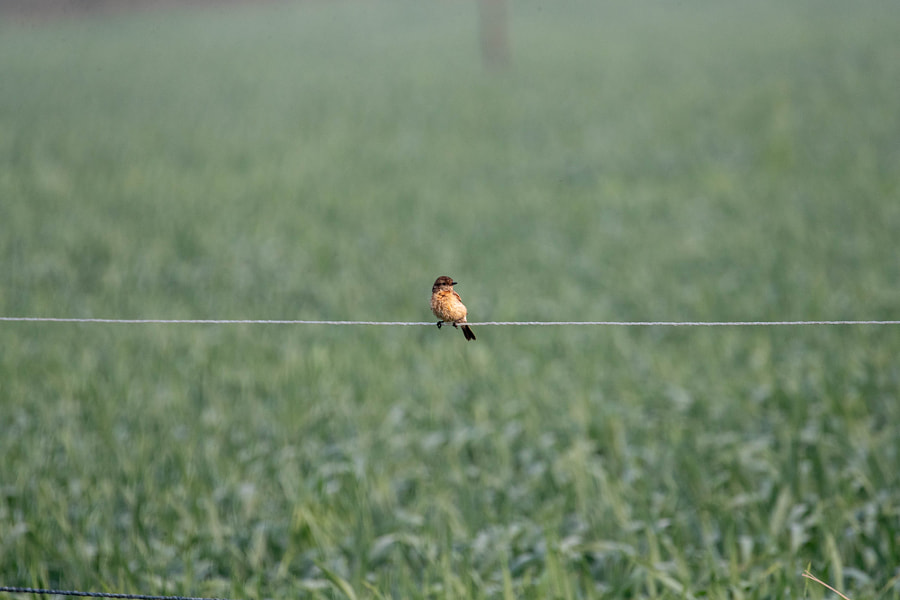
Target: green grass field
[696, 160]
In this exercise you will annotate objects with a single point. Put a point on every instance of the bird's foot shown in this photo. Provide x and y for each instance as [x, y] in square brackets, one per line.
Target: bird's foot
[439, 323]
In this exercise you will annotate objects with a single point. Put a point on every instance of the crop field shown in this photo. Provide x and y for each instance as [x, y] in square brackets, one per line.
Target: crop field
[678, 161]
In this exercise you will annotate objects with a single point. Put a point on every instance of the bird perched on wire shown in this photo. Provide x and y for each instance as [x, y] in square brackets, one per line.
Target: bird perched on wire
[448, 307]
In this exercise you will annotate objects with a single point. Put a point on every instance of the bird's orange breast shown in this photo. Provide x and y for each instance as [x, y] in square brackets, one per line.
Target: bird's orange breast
[447, 306]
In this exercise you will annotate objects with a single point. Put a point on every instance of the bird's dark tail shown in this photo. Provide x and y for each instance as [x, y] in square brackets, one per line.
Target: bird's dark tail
[467, 331]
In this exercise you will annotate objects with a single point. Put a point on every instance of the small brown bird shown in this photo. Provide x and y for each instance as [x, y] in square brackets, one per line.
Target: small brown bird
[447, 305]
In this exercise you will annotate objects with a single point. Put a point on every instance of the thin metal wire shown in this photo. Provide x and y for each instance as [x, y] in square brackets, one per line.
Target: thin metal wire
[27, 590]
[431, 323]
[689, 323]
[206, 321]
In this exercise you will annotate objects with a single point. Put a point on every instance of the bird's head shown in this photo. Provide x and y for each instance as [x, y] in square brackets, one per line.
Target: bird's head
[443, 283]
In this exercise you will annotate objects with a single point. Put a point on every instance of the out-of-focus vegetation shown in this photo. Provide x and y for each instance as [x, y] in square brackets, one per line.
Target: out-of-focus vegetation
[687, 161]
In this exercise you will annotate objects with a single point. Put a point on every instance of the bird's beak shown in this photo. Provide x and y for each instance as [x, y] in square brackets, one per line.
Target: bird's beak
[455, 283]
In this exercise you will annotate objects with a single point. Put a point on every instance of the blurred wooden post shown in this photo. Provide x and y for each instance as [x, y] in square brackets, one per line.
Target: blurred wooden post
[494, 25]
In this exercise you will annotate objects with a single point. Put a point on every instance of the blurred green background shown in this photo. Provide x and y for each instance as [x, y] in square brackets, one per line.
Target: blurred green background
[327, 160]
